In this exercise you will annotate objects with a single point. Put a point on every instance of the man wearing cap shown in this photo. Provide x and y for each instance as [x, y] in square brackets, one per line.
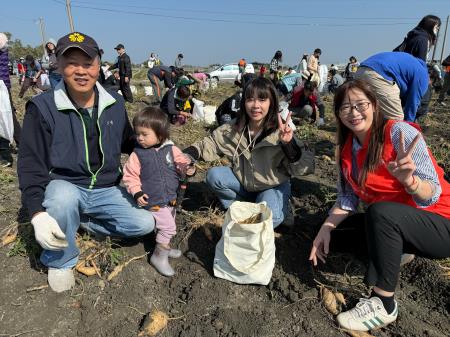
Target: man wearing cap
[69, 161]
[125, 73]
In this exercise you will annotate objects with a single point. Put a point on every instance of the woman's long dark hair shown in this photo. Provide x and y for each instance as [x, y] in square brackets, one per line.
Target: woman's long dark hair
[427, 24]
[278, 55]
[376, 140]
[48, 49]
[29, 60]
[260, 87]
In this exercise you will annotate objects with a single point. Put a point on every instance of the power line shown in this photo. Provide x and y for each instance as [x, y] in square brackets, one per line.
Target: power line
[243, 22]
[17, 18]
[247, 14]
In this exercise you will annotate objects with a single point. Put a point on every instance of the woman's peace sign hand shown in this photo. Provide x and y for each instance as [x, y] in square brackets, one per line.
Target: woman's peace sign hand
[403, 167]
[286, 133]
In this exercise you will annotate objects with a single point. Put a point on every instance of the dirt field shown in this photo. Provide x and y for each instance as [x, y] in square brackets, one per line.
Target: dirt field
[197, 303]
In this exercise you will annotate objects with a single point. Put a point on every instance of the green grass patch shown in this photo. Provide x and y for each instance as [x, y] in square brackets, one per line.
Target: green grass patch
[6, 176]
[25, 245]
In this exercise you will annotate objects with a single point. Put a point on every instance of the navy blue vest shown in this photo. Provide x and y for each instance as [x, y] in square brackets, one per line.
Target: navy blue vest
[159, 177]
[68, 153]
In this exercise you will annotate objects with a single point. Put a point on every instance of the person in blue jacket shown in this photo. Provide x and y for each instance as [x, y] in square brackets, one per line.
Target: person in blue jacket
[69, 161]
[399, 80]
[288, 82]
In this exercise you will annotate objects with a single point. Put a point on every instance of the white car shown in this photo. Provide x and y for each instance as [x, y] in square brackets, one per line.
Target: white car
[229, 72]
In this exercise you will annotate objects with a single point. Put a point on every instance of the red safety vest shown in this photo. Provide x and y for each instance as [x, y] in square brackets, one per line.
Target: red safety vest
[380, 185]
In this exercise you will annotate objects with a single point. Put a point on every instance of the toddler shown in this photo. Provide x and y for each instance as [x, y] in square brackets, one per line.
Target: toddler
[152, 175]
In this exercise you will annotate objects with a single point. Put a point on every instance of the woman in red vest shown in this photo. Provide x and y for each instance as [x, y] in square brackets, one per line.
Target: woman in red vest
[387, 165]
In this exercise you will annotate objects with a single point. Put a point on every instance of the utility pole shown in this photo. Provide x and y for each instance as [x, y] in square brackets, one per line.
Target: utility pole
[41, 26]
[445, 38]
[69, 14]
[435, 44]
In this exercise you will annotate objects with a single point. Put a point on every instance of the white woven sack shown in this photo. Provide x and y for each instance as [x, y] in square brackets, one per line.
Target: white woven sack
[45, 81]
[323, 73]
[202, 112]
[246, 252]
[197, 110]
[148, 91]
[6, 119]
[209, 112]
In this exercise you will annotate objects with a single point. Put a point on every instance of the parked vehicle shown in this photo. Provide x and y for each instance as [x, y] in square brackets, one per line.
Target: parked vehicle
[229, 72]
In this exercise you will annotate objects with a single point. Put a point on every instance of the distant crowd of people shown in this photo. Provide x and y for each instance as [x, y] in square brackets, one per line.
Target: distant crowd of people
[69, 160]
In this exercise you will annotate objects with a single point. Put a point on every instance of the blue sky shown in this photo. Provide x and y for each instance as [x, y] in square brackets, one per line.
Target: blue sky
[218, 31]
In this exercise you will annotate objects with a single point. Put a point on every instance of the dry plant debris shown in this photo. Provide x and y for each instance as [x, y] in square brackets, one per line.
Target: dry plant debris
[97, 258]
[201, 218]
[44, 286]
[206, 219]
[191, 132]
[120, 267]
[445, 265]
[252, 220]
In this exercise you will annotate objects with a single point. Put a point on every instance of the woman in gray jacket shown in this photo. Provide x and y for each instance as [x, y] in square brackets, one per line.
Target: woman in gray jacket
[53, 73]
[262, 150]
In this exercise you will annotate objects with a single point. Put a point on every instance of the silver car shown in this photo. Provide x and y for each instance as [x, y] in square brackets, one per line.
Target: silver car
[229, 72]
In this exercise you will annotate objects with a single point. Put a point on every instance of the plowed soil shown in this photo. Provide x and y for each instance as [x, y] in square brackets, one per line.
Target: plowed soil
[200, 304]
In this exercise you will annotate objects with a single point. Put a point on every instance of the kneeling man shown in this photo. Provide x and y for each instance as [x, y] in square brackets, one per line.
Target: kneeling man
[69, 161]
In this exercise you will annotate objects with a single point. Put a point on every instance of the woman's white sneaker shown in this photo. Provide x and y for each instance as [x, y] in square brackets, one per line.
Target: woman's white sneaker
[368, 314]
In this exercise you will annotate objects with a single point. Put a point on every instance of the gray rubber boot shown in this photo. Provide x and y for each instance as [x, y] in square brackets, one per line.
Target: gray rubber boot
[60, 280]
[160, 260]
[174, 253]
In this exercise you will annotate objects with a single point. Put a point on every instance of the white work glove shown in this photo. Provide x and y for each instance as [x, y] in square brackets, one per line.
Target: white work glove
[47, 232]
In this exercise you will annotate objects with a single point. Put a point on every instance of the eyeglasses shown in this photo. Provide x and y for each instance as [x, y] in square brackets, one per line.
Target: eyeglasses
[346, 109]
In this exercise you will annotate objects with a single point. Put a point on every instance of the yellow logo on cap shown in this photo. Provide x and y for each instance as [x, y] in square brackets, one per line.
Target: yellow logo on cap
[76, 37]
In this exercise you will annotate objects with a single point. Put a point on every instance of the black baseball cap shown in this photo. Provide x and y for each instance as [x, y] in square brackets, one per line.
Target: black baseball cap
[77, 40]
[119, 46]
